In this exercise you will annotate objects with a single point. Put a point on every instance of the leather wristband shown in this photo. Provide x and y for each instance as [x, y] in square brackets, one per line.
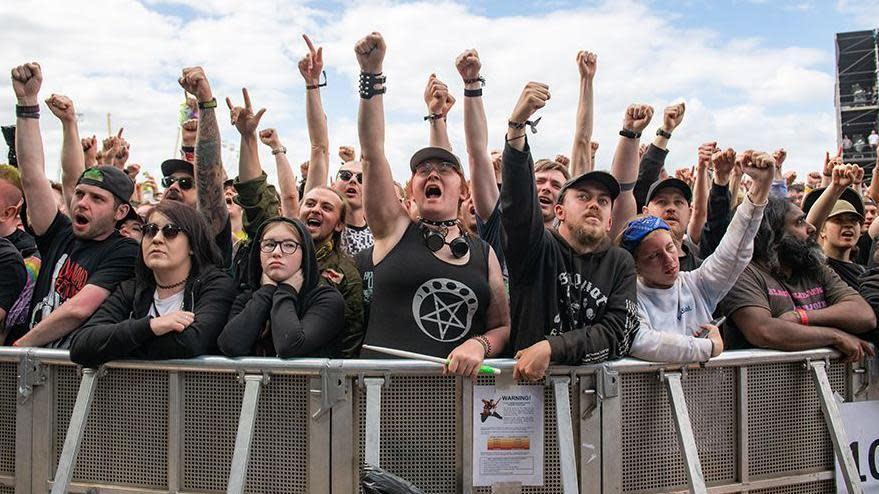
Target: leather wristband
[479, 79]
[27, 108]
[315, 86]
[279, 150]
[663, 133]
[631, 134]
[435, 116]
[627, 186]
[472, 93]
[204, 105]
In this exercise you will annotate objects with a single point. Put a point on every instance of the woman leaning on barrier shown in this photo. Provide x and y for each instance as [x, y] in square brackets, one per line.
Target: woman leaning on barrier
[675, 308]
[283, 309]
[176, 304]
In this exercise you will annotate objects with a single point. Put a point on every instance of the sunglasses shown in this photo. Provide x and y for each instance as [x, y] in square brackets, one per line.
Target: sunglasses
[185, 183]
[288, 247]
[169, 231]
[345, 175]
[443, 168]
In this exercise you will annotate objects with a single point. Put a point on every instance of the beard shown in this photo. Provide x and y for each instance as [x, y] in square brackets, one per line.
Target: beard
[588, 235]
[802, 256]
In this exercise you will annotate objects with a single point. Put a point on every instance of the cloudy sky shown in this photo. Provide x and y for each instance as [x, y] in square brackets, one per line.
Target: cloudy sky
[756, 73]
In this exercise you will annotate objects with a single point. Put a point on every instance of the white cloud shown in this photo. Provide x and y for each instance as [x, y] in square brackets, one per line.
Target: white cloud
[125, 61]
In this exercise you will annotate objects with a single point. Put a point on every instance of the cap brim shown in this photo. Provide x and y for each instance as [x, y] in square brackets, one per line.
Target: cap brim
[435, 153]
[604, 179]
[671, 182]
[174, 165]
[848, 195]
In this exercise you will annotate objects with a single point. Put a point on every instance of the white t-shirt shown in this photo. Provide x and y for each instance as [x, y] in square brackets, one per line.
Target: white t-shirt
[163, 306]
[873, 139]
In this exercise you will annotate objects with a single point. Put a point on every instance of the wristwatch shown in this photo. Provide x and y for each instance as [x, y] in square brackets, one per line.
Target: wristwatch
[279, 150]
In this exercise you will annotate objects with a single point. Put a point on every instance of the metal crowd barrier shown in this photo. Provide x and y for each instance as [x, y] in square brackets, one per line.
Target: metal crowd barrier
[752, 421]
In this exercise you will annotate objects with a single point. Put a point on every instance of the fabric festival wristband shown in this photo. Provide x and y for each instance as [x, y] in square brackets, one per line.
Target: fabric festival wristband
[804, 318]
[204, 105]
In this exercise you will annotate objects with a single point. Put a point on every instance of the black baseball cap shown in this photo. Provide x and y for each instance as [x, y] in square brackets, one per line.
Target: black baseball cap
[109, 178]
[434, 153]
[849, 195]
[604, 179]
[131, 215]
[175, 165]
[670, 182]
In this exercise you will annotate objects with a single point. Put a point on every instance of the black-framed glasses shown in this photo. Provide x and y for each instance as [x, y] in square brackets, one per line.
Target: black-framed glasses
[345, 175]
[288, 247]
[169, 231]
[443, 168]
[185, 183]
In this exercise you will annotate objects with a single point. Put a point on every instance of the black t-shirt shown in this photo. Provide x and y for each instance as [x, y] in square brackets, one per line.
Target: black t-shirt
[426, 305]
[848, 271]
[24, 242]
[69, 264]
[865, 244]
[13, 274]
[492, 230]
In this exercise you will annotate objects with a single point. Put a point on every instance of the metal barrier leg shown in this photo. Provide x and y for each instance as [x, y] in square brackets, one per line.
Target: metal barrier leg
[835, 427]
[686, 439]
[373, 419]
[246, 423]
[565, 434]
[73, 440]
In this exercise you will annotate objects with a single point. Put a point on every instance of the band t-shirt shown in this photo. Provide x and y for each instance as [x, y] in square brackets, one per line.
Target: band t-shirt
[356, 239]
[70, 263]
[758, 287]
[426, 305]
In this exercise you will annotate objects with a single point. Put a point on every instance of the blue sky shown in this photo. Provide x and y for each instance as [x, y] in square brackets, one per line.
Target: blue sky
[754, 74]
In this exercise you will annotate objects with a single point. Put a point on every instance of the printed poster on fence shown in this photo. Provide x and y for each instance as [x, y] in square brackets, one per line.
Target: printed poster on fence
[508, 435]
[861, 421]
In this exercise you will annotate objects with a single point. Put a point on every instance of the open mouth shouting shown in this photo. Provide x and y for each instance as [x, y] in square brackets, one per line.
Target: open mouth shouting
[433, 191]
[80, 221]
[351, 192]
[313, 223]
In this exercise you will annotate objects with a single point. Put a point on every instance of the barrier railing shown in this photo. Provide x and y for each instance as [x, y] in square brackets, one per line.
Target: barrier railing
[750, 421]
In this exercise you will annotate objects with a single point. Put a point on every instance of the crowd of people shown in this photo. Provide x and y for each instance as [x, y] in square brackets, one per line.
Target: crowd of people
[546, 261]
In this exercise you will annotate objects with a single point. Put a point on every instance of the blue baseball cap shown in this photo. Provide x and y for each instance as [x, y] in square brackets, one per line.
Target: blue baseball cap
[638, 228]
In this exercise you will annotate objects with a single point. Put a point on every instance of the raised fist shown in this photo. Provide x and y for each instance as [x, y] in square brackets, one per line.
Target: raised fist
[270, 138]
[303, 168]
[643, 149]
[857, 177]
[586, 63]
[706, 152]
[370, 52]
[132, 170]
[243, 118]
[121, 153]
[312, 64]
[723, 162]
[189, 132]
[90, 151]
[533, 97]
[637, 117]
[26, 82]
[672, 116]
[564, 160]
[437, 97]
[779, 155]
[790, 177]
[685, 174]
[594, 146]
[759, 166]
[844, 175]
[346, 153]
[62, 107]
[195, 82]
[468, 64]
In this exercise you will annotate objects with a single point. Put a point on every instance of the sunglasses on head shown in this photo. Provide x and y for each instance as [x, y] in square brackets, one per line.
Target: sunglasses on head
[169, 231]
[345, 175]
[185, 183]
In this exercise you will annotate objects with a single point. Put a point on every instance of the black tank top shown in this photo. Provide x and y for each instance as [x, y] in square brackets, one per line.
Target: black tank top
[425, 305]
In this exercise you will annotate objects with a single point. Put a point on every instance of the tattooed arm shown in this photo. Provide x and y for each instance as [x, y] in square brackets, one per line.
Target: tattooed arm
[209, 165]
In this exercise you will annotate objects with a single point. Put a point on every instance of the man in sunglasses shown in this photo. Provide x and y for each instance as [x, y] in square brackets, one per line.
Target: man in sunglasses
[349, 183]
[84, 257]
[180, 185]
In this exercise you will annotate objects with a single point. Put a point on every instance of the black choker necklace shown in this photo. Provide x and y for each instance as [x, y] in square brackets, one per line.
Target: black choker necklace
[175, 285]
[446, 223]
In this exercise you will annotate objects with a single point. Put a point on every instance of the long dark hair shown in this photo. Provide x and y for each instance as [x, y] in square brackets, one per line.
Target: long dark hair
[771, 233]
[204, 250]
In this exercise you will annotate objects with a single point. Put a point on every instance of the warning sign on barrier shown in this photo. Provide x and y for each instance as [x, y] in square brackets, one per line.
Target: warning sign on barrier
[861, 421]
[507, 435]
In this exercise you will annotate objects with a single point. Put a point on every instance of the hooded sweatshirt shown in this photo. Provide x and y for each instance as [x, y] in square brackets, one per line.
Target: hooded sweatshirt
[269, 320]
[121, 327]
